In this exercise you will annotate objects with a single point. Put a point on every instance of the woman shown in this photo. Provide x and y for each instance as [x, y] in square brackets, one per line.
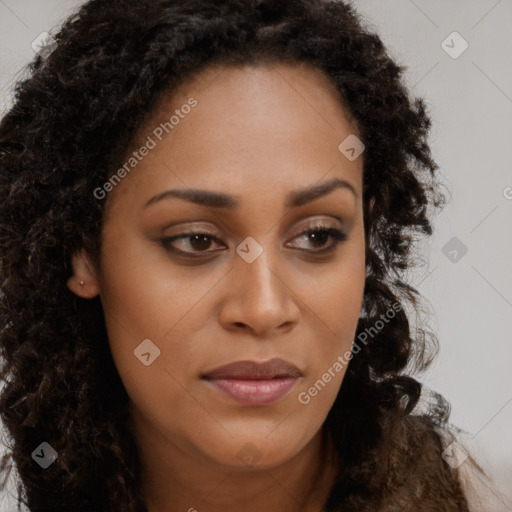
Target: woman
[208, 211]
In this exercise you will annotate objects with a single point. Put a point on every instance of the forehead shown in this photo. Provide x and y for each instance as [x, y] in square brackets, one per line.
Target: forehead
[276, 125]
[259, 88]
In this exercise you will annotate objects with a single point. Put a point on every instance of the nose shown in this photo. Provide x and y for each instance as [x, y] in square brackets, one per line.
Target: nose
[259, 299]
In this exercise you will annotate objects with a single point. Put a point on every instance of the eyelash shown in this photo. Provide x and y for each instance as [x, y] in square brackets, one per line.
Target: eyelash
[337, 235]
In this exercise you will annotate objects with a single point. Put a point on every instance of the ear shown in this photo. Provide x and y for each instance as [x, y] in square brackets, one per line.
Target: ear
[84, 281]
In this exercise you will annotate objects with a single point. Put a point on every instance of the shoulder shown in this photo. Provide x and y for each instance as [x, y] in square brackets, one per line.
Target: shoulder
[419, 475]
[482, 494]
[431, 468]
[420, 466]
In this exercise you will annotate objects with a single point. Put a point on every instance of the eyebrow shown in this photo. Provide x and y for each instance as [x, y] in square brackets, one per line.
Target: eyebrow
[213, 199]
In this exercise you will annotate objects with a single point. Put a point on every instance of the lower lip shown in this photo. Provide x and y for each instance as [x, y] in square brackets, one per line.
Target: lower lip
[254, 392]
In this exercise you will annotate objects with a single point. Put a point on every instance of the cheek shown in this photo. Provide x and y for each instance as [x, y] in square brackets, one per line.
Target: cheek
[336, 299]
[337, 306]
[139, 309]
[143, 294]
[338, 303]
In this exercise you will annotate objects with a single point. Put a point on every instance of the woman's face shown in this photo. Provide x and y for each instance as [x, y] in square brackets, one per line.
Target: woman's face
[249, 160]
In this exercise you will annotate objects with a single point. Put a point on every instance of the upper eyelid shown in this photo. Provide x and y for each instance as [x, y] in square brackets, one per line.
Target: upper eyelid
[303, 226]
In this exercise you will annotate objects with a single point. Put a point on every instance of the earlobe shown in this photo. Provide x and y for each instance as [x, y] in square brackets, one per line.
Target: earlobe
[84, 281]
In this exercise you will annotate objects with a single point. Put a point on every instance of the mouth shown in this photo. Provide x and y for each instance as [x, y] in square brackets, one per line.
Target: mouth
[252, 383]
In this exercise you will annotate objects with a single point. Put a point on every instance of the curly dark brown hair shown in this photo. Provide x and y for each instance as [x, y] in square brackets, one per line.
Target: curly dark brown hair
[70, 127]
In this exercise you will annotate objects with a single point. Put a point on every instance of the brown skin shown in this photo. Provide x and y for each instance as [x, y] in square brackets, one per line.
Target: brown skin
[257, 133]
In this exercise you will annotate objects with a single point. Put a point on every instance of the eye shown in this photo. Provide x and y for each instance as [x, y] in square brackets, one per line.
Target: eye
[318, 236]
[201, 241]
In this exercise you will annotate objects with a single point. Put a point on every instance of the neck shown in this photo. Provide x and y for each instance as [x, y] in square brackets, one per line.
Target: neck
[175, 481]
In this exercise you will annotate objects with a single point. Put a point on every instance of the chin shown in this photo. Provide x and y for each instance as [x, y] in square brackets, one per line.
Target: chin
[258, 452]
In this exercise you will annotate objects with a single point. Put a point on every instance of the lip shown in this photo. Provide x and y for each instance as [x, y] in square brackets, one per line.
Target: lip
[253, 383]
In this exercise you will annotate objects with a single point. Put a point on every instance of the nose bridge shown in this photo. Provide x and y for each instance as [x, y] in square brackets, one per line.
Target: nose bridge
[259, 283]
[262, 298]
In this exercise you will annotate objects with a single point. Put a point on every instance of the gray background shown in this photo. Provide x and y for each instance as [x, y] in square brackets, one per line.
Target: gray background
[470, 101]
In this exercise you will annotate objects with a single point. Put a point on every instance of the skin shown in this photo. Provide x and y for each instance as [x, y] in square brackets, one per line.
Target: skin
[257, 133]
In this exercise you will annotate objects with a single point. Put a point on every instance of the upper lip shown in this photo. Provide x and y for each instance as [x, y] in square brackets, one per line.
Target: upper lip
[252, 370]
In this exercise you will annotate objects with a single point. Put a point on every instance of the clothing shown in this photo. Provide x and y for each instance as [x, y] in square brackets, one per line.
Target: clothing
[417, 467]
[482, 494]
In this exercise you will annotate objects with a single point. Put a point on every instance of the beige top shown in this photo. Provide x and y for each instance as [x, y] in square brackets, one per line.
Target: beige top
[482, 494]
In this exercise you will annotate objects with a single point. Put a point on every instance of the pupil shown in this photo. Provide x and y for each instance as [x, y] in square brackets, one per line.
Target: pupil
[319, 236]
[201, 238]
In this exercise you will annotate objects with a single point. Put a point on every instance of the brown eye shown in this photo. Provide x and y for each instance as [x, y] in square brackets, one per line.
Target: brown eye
[199, 242]
[319, 235]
